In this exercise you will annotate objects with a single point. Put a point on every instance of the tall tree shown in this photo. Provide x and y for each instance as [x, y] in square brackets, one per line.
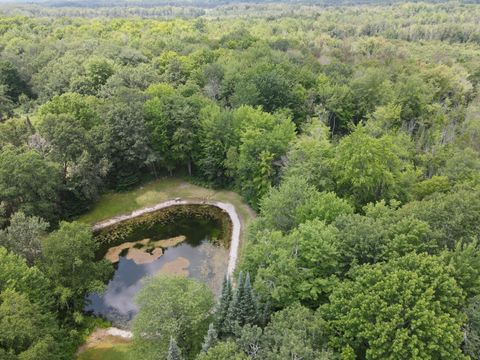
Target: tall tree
[221, 312]
[248, 304]
[243, 307]
[173, 122]
[20, 191]
[295, 333]
[223, 350]
[27, 313]
[280, 205]
[368, 169]
[84, 165]
[264, 139]
[407, 307]
[174, 352]
[26, 330]
[171, 307]
[124, 138]
[234, 310]
[11, 80]
[210, 339]
[23, 236]
[219, 133]
[68, 259]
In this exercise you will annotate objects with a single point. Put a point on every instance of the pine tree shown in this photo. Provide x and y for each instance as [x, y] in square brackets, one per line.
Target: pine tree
[243, 307]
[248, 305]
[174, 351]
[223, 306]
[210, 339]
[264, 314]
[234, 310]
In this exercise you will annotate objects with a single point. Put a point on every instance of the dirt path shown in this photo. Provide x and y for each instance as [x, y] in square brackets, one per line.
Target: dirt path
[227, 207]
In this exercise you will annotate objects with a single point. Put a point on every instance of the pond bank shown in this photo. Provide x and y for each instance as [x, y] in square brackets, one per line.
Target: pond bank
[111, 341]
[227, 207]
[113, 334]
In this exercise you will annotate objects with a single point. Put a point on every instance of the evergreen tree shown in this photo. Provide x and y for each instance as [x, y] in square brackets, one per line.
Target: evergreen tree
[223, 306]
[210, 339]
[234, 309]
[248, 308]
[174, 351]
[244, 308]
[264, 314]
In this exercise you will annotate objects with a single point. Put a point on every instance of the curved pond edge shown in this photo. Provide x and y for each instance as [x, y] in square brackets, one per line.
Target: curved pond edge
[227, 207]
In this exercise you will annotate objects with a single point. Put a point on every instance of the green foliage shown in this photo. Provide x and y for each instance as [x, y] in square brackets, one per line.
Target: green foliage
[243, 308]
[11, 81]
[295, 332]
[221, 312]
[282, 206]
[27, 313]
[68, 260]
[221, 351]
[369, 169]
[17, 276]
[82, 108]
[6, 103]
[408, 307]
[171, 307]
[465, 261]
[299, 266]
[353, 129]
[173, 351]
[23, 236]
[436, 184]
[362, 239]
[210, 339]
[83, 165]
[19, 191]
[25, 329]
[15, 132]
[325, 206]
[309, 155]
[97, 72]
[218, 134]
[125, 137]
[453, 217]
[172, 120]
[471, 344]
[263, 141]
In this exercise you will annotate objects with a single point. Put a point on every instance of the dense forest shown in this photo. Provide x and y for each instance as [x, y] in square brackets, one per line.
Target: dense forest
[353, 131]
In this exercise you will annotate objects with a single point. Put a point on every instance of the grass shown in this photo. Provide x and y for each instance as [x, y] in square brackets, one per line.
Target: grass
[106, 351]
[153, 192]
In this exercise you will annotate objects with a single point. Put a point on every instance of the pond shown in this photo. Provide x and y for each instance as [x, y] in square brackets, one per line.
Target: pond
[189, 241]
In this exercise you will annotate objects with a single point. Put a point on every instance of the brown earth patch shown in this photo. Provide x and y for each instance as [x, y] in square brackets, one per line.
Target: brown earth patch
[178, 266]
[169, 242]
[141, 256]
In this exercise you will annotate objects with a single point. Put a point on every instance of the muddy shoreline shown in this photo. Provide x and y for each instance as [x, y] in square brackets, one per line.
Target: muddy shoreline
[226, 207]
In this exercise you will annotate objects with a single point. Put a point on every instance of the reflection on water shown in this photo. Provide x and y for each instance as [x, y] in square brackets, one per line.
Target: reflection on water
[197, 257]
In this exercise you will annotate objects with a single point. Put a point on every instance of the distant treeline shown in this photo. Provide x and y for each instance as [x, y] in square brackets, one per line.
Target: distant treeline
[211, 3]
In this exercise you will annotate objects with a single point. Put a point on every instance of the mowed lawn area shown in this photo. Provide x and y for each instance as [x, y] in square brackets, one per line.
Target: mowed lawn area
[151, 193]
[163, 189]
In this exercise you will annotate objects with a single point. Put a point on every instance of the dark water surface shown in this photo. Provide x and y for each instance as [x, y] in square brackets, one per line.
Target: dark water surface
[199, 255]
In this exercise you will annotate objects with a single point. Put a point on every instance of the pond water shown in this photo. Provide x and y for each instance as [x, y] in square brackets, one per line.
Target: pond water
[194, 251]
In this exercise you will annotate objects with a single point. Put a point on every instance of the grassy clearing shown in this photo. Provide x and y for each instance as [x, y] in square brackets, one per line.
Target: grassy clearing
[154, 192]
[106, 351]
[100, 345]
